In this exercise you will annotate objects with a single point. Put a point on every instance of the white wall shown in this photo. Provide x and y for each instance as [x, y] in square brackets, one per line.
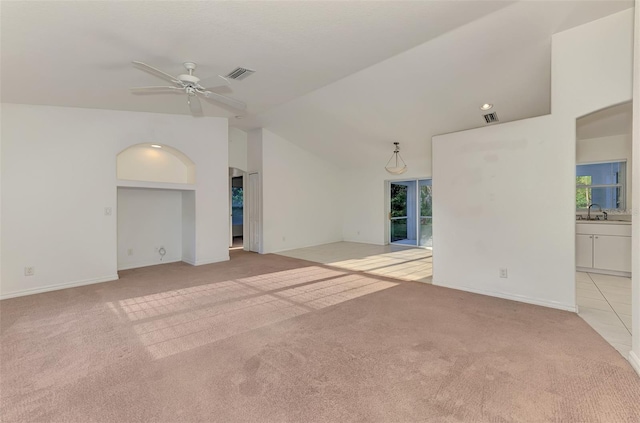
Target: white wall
[494, 192]
[238, 149]
[612, 148]
[592, 65]
[254, 151]
[188, 226]
[363, 189]
[302, 202]
[634, 356]
[59, 174]
[504, 195]
[146, 163]
[148, 219]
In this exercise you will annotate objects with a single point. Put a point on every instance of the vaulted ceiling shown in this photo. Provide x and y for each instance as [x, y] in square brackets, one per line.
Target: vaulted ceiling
[348, 76]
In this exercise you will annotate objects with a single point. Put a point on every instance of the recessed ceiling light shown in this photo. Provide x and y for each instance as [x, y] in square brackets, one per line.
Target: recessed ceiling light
[156, 146]
[486, 106]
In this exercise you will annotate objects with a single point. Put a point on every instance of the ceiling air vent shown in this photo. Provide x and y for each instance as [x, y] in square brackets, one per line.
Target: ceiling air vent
[239, 74]
[491, 117]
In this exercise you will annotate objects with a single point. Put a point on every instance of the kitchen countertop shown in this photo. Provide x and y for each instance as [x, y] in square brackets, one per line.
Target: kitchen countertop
[606, 222]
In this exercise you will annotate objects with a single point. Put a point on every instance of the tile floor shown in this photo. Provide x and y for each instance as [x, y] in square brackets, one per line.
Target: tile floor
[604, 302]
[396, 261]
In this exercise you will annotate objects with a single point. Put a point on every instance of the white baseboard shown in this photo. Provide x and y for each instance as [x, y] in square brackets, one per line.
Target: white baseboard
[58, 287]
[208, 261]
[635, 362]
[513, 297]
[604, 272]
[300, 246]
[362, 241]
[138, 264]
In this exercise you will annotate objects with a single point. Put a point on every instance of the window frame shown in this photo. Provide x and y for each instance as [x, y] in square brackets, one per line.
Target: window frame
[622, 186]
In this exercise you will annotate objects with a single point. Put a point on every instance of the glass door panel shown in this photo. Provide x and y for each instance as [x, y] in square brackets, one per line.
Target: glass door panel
[403, 213]
[426, 218]
[398, 229]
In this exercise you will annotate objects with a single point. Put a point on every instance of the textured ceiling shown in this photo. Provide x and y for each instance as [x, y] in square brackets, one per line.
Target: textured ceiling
[331, 76]
[503, 58]
[79, 53]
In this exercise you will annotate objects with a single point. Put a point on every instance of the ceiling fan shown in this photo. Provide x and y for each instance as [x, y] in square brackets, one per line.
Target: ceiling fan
[191, 85]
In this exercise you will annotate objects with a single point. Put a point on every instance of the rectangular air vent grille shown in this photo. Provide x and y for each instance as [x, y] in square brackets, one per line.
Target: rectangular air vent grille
[239, 73]
[491, 117]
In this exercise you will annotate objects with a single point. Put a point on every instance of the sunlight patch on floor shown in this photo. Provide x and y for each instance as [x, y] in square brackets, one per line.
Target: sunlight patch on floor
[150, 306]
[172, 322]
[401, 262]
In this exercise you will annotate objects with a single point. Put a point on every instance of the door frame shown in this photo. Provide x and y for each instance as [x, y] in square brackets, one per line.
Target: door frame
[253, 213]
[235, 172]
[387, 208]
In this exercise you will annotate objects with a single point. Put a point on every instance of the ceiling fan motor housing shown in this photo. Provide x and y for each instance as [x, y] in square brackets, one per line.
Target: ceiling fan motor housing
[189, 79]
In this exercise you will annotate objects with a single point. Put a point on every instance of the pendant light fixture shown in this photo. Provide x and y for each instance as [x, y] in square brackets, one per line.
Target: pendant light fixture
[396, 164]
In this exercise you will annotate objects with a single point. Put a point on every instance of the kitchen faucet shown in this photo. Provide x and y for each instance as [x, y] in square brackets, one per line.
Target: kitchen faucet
[589, 210]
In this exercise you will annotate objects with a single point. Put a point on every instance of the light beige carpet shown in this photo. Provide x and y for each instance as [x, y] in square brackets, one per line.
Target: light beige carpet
[276, 339]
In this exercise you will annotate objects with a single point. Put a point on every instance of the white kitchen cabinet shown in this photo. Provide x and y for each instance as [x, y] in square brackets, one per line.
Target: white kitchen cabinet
[584, 250]
[603, 248]
[612, 253]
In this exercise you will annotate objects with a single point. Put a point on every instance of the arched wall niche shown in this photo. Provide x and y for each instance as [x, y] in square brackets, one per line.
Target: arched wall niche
[155, 163]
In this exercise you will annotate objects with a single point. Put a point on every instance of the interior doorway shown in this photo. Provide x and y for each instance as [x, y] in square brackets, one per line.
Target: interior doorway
[236, 209]
[410, 212]
[603, 225]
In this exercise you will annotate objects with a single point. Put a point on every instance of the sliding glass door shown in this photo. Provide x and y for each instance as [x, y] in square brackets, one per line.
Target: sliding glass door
[410, 220]
[403, 212]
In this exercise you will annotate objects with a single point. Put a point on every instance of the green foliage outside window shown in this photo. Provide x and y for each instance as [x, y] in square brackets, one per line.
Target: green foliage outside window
[583, 193]
[398, 200]
[236, 197]
[426, 196]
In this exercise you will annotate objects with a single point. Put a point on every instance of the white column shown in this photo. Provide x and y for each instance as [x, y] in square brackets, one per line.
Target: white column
[634, 356]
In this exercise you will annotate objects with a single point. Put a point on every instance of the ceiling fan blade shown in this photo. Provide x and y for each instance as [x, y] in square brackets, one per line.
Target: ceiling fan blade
[236, 104]
[155, 72]
[213, 82]
[194, 105]
[143, 90]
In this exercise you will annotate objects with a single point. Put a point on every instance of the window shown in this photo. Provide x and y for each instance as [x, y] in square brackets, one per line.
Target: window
[237, 199]
[602, 184]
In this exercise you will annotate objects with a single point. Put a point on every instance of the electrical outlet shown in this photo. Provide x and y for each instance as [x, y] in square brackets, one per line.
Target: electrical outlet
[107, 211]
[29, 271]
[130, 251]
[357, 232]
[284, 238]
[503, 272]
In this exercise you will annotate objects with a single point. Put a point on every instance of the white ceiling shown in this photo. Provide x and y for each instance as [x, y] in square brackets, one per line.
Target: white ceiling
[331, 76]
[79, 53]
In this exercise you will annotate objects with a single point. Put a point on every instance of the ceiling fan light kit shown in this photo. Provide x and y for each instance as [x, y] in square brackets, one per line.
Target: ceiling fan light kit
[396, 164]
[191, 85]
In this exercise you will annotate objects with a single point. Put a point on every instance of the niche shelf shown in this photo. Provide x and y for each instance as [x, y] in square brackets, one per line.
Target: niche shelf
[125, 183]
